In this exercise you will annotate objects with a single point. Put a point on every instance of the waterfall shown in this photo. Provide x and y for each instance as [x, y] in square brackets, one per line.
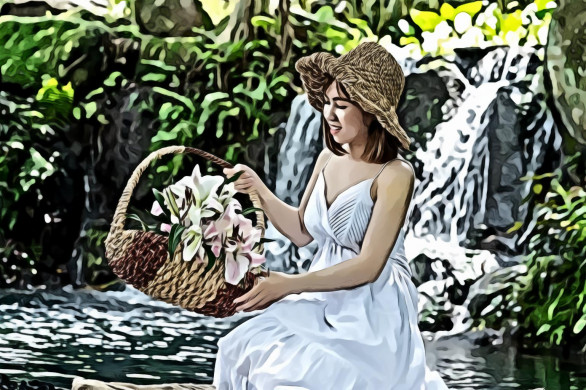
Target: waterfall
[295, 161]
[452, 195]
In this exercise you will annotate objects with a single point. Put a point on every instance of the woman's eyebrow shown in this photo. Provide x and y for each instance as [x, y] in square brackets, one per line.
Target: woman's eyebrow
[338, 98]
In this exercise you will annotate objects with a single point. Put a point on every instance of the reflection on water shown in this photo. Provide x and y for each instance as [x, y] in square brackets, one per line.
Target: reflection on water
[127, 337]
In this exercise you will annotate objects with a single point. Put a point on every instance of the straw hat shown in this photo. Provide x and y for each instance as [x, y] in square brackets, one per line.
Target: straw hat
[370, 74]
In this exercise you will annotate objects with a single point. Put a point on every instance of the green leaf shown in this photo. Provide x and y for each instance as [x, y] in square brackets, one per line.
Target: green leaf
[222, 25]
[175, 238]
[211, 259]
[580, 324]
[447, 11]
[470, 8]
[558, 334]
[161, 218]
[137, 218]
[156, 77]
[234, 178]
[511, 22]
[251, 210]
[515, 227]
[544, 328]
[262, 21]
[426, 20]
[552, 307]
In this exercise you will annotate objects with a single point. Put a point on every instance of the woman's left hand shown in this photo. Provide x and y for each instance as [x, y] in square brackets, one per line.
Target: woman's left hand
[266, 291]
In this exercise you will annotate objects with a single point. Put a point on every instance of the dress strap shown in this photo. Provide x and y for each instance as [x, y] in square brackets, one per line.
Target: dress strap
[324, 167]
[381, 169]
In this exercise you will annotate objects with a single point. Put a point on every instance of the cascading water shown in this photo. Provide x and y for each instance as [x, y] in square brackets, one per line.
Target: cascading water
[301, 145]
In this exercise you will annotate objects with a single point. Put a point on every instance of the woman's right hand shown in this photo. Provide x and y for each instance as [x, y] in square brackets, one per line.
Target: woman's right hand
[247, 182]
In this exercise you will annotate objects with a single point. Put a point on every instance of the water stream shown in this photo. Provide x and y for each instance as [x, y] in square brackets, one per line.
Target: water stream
[127, 337]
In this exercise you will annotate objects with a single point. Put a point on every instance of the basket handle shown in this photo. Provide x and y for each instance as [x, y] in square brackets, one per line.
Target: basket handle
[120, 214]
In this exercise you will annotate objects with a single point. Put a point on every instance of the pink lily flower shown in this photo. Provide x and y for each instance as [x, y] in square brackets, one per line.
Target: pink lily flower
[156, 210]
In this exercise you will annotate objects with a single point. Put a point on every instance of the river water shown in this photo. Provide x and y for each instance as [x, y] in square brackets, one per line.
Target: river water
[127, 337]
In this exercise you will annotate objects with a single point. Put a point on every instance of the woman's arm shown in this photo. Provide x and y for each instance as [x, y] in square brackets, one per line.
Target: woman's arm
[395, 186]
[287, 219]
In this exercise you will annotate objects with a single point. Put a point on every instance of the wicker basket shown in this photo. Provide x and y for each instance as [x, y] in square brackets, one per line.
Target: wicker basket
[141, 258]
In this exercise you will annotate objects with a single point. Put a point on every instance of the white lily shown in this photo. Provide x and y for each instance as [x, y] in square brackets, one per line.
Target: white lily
[227, 194]
[203, 191]
[236, 263]
[192, 238]
[249, 235]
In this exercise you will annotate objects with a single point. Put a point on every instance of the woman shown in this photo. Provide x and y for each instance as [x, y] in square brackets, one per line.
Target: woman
[350, 322]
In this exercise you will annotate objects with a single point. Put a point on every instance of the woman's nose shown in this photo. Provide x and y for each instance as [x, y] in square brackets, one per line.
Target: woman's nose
[329, 113]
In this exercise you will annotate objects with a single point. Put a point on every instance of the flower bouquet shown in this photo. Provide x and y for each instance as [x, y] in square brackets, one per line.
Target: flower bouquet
[201, 213]
[202, 252]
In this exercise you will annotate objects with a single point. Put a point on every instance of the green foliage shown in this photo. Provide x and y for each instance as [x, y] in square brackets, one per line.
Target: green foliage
[48, 46]
[35, 190]
[553, 294]
[330, 31]
[55, 101]
[214, 91]
[545, 301]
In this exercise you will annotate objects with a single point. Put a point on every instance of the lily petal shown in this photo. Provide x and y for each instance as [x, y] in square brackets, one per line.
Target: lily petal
[201, 256]
[156, 209]
[192, 242]
[209, 185]
[211, 231]
[256, 259]
[217, 248]
[213, 203]
[235, 268]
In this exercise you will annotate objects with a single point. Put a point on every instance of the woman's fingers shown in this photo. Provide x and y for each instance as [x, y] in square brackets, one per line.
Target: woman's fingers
[242, 181]
[252, 304]
[246, 181]
[243, 184]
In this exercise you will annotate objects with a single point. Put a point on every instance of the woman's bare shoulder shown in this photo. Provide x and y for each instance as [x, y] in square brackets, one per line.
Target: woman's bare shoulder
[399, 170]
[323, 156]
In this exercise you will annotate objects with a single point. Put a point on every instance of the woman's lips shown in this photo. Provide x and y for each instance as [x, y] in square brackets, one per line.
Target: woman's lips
[334, 129]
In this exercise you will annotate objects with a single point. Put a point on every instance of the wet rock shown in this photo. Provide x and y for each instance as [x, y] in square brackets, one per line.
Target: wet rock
[445, 278]
[565, 63]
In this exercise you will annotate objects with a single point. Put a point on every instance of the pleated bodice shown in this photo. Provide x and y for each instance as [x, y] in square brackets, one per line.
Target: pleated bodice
[341, 227]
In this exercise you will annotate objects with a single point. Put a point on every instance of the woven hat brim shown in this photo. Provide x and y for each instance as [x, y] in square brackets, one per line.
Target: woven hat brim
[313, 70]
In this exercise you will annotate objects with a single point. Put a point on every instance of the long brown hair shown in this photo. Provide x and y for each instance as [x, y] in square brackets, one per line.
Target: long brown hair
[381, 146]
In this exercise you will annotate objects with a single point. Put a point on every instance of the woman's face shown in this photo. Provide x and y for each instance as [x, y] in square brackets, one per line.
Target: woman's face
[346, 120]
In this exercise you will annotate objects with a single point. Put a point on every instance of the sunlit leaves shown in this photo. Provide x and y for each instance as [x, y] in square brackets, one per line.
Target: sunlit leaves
[476, 24]
[426, 20]
[35, 168]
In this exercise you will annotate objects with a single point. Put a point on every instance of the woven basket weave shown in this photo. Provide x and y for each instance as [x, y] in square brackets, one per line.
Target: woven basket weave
[141, 258]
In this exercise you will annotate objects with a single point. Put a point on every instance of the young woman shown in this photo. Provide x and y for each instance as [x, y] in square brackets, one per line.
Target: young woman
[350, 322]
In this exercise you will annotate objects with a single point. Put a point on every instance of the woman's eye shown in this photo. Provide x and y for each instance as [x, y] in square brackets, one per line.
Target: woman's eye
[340, 107]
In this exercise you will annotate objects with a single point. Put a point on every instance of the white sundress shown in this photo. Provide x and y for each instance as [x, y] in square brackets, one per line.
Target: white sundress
[364, 338]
